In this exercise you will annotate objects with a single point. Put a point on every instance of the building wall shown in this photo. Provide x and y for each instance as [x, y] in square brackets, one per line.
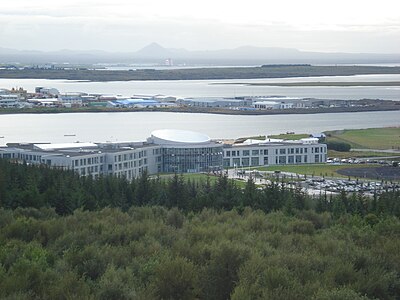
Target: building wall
[264, 155]
[132, 162]
[192, 159]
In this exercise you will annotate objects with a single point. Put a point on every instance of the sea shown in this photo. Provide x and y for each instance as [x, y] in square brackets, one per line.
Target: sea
[224, 88]
[137, 126]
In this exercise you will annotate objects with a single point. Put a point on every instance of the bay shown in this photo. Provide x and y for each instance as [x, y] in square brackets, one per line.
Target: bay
[137, 126]
[217, 88]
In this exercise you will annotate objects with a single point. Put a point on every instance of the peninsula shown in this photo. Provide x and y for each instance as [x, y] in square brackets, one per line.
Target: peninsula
[266, 71]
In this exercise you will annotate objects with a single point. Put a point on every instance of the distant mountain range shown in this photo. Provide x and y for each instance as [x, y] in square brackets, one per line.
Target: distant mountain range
[155, 53]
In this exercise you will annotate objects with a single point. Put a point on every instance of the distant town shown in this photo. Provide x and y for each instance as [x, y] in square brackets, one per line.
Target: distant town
[15, 99]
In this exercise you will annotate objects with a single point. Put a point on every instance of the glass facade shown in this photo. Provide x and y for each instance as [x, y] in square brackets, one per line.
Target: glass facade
[191, 160]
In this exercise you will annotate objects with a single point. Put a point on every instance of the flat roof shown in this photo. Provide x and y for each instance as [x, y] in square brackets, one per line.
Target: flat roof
[48, 147]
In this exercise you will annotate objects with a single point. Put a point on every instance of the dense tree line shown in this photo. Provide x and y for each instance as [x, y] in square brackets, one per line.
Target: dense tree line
[24, 185]
[159, 253]
[338, 146]
[63, 236]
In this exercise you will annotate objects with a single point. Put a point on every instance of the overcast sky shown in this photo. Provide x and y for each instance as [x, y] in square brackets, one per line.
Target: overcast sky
[128, 25]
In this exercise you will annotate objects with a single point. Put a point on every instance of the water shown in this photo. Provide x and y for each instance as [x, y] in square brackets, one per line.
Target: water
[137, 126]
[203, 88]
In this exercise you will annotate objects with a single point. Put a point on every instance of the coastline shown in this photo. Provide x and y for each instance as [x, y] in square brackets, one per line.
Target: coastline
[317, 84]
[220, 111]
[286, 71]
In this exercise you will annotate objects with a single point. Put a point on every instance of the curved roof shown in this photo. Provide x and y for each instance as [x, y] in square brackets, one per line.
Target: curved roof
[179, 136]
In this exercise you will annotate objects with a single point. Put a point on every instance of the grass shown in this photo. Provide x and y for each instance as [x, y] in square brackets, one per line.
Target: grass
[202, 178]
[372, 138]
[313, 169]
[289, 136]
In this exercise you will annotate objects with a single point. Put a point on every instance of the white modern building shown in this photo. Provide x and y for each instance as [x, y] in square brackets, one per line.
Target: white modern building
[168, 151]
[187, 152]
[9, 100]
[267, 152]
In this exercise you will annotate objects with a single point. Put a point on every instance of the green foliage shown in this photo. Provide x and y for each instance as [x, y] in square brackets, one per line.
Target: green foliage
[175, 278]
[107, 238]
[154, 253]
[338, 146]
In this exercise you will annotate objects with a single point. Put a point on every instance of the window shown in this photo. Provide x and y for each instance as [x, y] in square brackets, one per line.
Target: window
[265, 151]
[291, 159]
[227, 162]
[246, 152]
[255, 161]
[228, 153]
[265, 160]
[282, 159]
[282, 151]
[245, 162]
[298, 158]
[255, 152]
[317, 158]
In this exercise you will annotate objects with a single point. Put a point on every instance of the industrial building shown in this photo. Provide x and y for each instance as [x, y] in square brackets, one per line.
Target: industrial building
[166, 151]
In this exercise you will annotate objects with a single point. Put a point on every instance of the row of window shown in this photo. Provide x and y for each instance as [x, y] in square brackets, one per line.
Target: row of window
[87, 161]
[230, 153]
[282, 159]
[90, 170]
[280, 151]
[130, 156]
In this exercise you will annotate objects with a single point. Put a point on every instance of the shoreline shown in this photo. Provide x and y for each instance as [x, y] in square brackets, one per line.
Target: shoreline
[317, 84]
[219, 111]
[273, 71]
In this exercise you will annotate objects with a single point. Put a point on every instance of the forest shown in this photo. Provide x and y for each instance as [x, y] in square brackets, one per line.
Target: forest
[64, 236]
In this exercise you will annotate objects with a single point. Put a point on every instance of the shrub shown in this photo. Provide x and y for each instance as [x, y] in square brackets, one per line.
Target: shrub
[338, 146]
[176, 278]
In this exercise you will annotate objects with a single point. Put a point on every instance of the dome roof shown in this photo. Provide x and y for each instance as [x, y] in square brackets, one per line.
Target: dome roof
[179, 136]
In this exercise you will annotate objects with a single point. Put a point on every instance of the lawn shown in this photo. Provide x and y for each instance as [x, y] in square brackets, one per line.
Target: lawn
[372, 138]
[202, 178]
[289, 136]
[313, 169]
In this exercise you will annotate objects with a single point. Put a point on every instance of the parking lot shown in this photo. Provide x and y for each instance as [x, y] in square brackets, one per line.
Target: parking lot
[320, 184]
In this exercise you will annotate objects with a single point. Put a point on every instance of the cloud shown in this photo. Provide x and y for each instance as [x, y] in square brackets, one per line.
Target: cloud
[208, 24]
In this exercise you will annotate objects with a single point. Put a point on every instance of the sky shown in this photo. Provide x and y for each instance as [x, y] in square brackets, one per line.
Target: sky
[368, 26]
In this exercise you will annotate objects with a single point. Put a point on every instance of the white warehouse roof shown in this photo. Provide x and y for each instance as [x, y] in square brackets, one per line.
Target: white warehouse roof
[178, 136]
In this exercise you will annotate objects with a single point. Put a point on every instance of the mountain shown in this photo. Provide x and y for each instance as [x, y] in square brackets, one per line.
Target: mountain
[153, 50]
[157, 54]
